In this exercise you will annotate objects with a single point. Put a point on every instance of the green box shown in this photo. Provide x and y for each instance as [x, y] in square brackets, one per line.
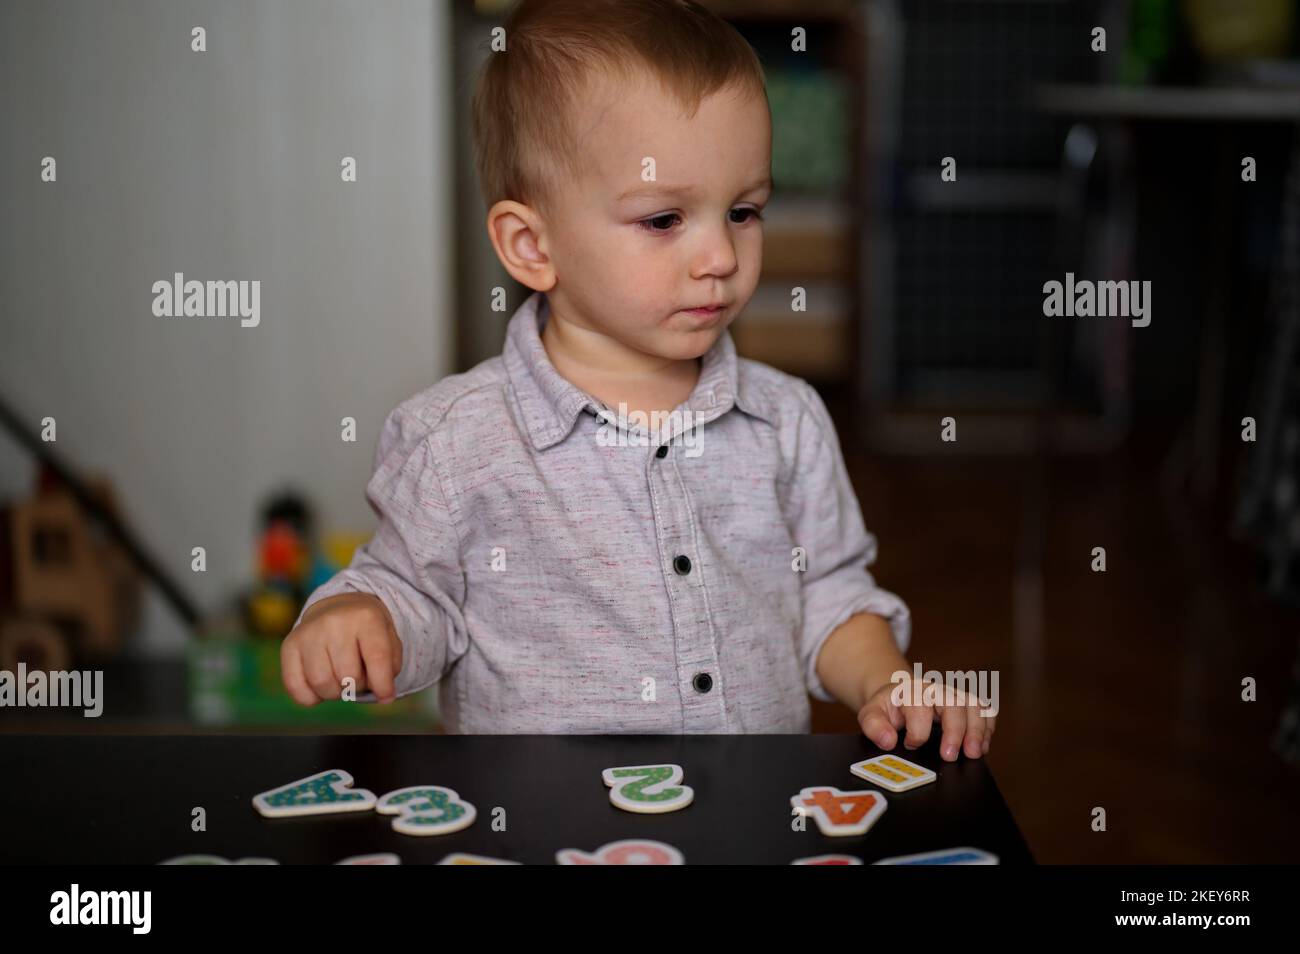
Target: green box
[234, 680]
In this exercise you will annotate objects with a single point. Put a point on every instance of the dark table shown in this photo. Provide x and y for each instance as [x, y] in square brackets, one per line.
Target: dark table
[129, 799]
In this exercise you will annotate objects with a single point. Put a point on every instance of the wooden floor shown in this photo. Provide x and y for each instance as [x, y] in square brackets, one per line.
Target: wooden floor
[1119, 689]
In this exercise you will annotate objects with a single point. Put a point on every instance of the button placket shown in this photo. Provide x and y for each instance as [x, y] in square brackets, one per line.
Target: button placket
[696, 658]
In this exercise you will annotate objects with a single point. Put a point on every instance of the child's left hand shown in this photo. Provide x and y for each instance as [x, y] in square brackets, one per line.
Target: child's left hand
[963, 726]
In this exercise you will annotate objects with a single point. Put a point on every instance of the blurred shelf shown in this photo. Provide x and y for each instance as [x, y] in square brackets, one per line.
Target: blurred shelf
[913, 431]
[818, 351]
[807, 237]
[1229, 104]
[985, 189]
[816, 343]
[781, 9]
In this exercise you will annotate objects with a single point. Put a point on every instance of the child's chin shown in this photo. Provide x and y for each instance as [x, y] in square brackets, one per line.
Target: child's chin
[686, 343]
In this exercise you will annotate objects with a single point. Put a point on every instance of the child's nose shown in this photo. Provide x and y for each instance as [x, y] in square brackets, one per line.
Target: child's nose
[716, 255]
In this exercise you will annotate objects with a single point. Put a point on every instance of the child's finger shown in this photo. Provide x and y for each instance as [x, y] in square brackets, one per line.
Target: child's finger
[320, 673]
[953, 719]
[381, 668]
[918, 719]
[988, 732]
[894, 714]
[976, 731]
[346, 662]
[876, 726]
[295, 683]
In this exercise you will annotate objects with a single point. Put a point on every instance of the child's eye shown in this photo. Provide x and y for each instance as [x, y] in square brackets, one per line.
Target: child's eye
[663, 223]
[648, 224]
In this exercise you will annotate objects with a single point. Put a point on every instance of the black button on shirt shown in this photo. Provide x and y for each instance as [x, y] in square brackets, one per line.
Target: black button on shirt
[703, 682]
[662, 452]
[682, 564]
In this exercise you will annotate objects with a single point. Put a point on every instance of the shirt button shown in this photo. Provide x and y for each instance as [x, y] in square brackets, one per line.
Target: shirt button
[682, 564]
[662, 452]
[702, 682]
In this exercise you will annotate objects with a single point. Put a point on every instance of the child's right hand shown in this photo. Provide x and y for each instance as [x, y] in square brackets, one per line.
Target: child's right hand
[351, 634]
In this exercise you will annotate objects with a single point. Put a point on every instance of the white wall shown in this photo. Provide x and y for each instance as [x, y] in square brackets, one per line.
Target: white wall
[223, 165]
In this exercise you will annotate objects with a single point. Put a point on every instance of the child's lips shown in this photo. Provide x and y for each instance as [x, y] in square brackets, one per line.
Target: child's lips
[705, 314]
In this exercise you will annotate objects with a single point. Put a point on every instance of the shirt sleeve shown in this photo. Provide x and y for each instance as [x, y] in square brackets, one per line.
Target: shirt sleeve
[826, 520]
[412, 563]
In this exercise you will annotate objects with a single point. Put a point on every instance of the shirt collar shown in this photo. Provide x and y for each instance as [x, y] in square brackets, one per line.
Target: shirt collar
[550, 404]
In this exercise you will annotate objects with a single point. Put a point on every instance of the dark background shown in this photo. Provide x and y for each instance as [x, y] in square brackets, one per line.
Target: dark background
[1120, 689]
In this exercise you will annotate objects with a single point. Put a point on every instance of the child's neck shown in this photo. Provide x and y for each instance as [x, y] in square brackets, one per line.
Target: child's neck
[615, 374]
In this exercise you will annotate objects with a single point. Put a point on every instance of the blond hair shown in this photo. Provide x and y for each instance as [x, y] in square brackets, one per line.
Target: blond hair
[524, 106]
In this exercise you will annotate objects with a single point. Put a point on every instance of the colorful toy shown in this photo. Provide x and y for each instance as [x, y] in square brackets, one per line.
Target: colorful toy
[289, 565]
[840, 813]
[320, 794]
[647, 789]
[427, 810]
[627, 852]
[892, 773]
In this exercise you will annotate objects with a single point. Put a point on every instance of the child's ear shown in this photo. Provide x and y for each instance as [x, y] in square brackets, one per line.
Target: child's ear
[517, 235]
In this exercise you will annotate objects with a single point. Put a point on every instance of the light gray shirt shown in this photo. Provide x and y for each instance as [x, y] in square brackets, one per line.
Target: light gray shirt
[557, 574]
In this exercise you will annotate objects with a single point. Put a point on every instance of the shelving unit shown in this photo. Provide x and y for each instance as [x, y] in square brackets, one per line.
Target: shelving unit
[952, 272]
[810, 238]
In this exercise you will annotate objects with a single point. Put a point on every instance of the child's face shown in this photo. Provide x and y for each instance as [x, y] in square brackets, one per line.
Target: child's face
[630, 256]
